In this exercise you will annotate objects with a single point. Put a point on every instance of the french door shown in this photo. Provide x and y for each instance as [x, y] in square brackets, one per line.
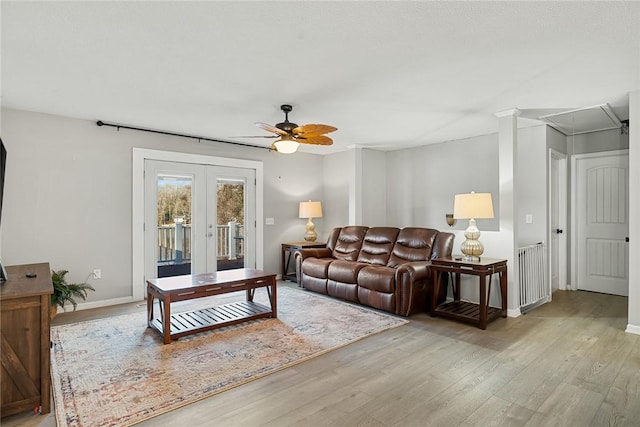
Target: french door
[198, 218]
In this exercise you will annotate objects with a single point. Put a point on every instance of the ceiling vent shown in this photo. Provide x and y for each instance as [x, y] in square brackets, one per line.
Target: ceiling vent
[583, 120]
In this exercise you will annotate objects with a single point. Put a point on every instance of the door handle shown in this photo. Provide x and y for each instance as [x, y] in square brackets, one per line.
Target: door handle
[626, 239]
[558, 231]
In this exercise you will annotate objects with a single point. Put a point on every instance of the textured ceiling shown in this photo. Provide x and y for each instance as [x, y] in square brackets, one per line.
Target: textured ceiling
[387, 74]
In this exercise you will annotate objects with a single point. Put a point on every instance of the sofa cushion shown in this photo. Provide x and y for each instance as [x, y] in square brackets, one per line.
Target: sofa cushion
[377, 245]
[379, 300]
[345, 291]
[377, 278]
[412, 244]
[333, 238]
[316, 267]
[315, 284]
[349, 242]
[344, 271]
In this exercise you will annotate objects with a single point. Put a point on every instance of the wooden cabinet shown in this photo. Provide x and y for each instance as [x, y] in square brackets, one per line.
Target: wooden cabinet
[25, 380]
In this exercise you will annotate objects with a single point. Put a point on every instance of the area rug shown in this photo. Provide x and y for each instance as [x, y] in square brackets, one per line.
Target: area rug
[116, 371]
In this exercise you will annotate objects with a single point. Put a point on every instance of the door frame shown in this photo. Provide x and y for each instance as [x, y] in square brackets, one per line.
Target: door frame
[562, 215]
[137, 202]
[574, 216]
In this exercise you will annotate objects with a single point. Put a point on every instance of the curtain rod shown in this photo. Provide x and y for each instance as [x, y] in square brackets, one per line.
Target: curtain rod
[199, 138]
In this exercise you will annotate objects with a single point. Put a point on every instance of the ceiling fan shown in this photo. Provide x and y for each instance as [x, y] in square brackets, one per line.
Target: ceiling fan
[290, 135]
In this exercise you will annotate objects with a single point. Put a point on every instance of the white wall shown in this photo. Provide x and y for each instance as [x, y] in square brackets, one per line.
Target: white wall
[335, 204]
[531, 194]
[556, 140]
[594, 142]
[374, 186]
[68, 196]
[422, 181]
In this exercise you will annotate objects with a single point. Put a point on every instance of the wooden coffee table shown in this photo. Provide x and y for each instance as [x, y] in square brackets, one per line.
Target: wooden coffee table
[181, 288]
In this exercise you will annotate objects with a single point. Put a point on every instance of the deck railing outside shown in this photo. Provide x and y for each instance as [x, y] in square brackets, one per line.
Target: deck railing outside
[174, 242]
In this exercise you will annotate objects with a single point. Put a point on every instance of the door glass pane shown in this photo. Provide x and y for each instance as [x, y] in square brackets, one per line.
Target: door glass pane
[173, 251]
[230, 218]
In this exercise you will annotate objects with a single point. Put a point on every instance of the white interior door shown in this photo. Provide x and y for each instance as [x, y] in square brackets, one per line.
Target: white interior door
[189, 229]
[602, 214]
[557, 220]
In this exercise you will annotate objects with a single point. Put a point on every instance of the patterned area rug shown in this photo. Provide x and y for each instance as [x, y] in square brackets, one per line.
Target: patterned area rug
[116, 371]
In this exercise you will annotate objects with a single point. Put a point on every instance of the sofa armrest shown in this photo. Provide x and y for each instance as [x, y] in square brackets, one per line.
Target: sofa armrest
[312, 253]
[412, 287]
[302, 254]
[415, 271]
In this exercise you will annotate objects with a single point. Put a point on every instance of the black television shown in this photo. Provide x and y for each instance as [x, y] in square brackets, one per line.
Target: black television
[3, 164]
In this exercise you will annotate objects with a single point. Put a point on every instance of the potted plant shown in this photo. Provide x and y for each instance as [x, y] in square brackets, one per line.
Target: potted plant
[64, 292]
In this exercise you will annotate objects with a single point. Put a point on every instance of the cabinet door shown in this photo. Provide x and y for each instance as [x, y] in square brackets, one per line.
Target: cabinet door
[21, 361]
[25, 339]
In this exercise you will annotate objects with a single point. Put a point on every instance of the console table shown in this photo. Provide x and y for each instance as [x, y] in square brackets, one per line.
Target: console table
[181, 288]
[288, 249]
[478, 314]
[25, 338]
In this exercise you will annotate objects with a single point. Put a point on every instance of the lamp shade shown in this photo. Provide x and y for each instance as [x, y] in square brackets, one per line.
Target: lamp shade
[286, 145]
[473, 205]
[310, 210]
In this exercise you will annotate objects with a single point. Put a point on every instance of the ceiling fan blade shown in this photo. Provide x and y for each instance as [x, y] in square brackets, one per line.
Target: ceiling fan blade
[270, 128]
[314, 139]
[313, 129]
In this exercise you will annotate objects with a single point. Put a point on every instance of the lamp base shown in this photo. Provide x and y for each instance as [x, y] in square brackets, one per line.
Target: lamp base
[311, 235]
[472, 248]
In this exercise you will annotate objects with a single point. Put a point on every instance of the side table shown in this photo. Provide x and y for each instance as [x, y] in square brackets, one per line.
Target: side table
[478, 314]
[287, 251]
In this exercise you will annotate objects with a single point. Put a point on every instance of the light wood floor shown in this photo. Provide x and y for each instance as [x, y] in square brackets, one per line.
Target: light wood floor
[566, 363]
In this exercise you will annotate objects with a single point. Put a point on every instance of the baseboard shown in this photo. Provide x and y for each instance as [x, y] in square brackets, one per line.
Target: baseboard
[633, 329]
[102, 303]
[513, 312]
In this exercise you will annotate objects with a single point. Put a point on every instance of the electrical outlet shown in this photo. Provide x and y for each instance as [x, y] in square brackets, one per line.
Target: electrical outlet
[97, 273]
[528, 219]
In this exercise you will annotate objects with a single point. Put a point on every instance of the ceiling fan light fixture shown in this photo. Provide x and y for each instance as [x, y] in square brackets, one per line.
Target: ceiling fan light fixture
[291, 135]
[286, 145]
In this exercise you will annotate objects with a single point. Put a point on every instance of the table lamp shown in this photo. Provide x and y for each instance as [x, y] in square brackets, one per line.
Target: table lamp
[310, 210]
[472, 206]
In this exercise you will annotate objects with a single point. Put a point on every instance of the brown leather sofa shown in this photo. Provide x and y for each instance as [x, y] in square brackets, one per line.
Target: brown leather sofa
[386, 268]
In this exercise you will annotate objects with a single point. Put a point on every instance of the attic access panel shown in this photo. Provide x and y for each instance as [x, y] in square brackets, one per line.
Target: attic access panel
[583, 120]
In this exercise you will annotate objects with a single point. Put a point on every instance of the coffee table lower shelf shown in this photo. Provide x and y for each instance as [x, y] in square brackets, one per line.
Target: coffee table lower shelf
[192, 322]
[466, 311]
